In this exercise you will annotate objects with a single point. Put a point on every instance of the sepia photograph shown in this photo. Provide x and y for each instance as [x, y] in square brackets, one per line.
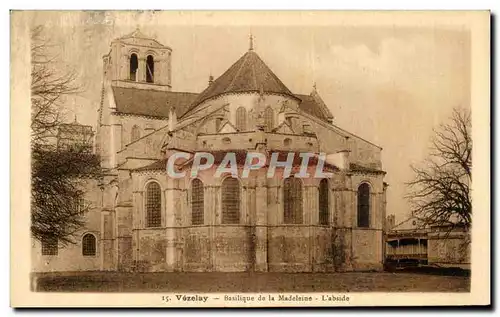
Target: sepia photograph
[267, 158]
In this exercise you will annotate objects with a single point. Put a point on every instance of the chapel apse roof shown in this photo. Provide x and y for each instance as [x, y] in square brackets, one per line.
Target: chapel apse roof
[310, 105]
[247, 74]
[151, 103]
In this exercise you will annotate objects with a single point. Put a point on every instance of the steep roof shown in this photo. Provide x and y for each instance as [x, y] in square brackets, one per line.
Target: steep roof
[153, 103]
[247, 74]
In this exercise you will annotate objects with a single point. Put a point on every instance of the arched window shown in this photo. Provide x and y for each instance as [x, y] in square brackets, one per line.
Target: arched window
[153, 205]
[134, 64]
[324, 202]
[287, 142]
[88, 245]
[197, 202]
[230, 201]
[364, 205]
[241, 119]
[136, 133]
[150, 69]
[269, 119]
[292, 201]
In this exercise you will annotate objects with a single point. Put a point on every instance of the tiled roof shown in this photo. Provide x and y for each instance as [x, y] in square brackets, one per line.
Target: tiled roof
[248, 74]
[154, 103]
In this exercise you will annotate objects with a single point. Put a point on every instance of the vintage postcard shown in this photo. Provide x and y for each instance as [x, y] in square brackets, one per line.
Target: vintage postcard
[249, 159]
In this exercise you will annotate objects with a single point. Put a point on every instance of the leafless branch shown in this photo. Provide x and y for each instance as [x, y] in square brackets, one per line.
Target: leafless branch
[440, 193]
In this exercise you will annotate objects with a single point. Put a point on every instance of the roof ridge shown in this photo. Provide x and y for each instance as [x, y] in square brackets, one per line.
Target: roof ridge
[254, 75]
[245, 59]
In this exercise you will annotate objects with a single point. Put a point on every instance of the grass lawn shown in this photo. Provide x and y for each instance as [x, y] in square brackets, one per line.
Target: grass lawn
[250, 282]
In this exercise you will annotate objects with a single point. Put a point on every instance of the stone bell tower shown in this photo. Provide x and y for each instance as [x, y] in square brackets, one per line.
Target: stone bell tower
[138, 61]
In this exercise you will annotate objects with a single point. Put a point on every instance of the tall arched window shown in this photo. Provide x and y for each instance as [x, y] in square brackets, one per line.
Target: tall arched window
[324, 202]
[364, 205]
[230, 201]
[269, 119]
[153, 205]
[150, 69]
[197, 202]
[88, 245]
[134, 64]
[241, 119]
[292, 201]
[135, 134]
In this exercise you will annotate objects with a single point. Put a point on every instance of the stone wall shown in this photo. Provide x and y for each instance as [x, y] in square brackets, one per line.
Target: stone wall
[449, 249]
[261, 241]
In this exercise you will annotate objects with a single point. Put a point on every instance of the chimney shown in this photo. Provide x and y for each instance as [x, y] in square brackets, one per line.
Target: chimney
[390, 222]
[172, 119]
[210, 80]
[339, 159]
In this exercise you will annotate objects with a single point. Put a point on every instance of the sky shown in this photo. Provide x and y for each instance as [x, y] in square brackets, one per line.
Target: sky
[390, 84]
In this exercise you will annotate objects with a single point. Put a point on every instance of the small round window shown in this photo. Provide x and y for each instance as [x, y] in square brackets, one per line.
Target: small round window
[287, 142]
[226, 140]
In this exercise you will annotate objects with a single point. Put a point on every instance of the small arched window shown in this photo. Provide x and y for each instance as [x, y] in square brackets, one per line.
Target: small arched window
[88, 245]
[230, 201]
[135, 134]
[269, 119]
[324, 202]
[150, 69]
[197, 202]
[364, 205]
[134, 64]
[241, 119]
[153, 205]
[287, 142]
[292, 201]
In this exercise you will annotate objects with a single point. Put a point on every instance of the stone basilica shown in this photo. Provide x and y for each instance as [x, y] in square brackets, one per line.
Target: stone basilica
[143, 220]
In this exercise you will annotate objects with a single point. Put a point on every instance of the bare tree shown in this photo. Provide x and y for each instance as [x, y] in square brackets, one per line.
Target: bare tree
[49, 86]
[440, 192]
[59, 174]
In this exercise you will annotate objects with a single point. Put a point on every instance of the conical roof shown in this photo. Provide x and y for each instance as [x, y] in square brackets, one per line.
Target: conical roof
[248, 74]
